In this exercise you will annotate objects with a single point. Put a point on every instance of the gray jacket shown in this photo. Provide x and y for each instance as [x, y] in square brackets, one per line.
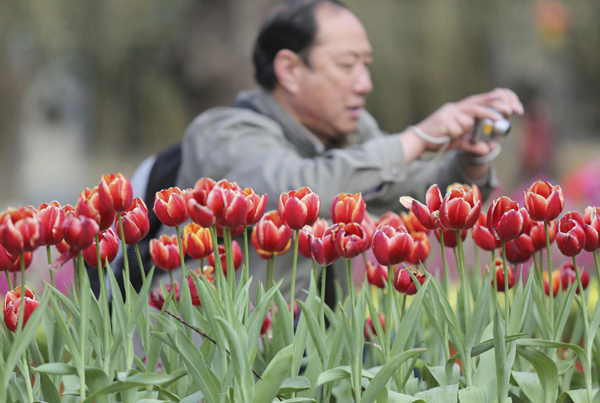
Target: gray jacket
[272, 154]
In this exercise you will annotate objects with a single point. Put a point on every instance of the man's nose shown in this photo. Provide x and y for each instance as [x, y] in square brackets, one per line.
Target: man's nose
[363, 83]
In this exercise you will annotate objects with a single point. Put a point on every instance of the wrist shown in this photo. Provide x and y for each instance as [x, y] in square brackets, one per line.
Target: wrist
[413, 145]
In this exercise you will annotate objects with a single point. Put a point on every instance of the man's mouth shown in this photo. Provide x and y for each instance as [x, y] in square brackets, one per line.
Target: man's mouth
[354, 111]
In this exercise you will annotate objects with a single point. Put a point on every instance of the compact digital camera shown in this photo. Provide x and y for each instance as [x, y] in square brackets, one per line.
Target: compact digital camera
[488, 130]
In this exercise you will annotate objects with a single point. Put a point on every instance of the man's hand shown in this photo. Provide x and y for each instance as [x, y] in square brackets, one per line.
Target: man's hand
[458, 118]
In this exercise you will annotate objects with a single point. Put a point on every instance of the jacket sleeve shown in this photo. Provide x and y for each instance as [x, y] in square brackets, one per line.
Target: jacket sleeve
[252, 150]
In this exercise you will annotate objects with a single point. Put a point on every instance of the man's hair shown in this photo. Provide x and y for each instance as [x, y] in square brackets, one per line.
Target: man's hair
[292, 26]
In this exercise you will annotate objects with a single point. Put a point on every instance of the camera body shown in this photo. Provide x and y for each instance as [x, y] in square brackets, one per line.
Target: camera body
[489, 130]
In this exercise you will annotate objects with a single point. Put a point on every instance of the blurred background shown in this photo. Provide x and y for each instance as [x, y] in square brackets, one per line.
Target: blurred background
[93, 87]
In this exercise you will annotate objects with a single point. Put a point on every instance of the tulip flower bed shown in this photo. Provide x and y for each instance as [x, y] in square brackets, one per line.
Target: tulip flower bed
[398, 338]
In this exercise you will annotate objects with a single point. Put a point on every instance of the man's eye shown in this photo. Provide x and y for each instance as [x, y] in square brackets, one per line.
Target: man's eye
[347, 66]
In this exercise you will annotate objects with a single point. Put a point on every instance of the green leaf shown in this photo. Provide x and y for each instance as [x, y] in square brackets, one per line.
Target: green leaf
[530, 384]
[315, 332]
[57, 368]
[267, 388]
[195, 398]
[378, 383]
[439, 374]
[48, 389]
[477, 325]
[473, 394]
[577, 396]
[441, 394]
[500, 353]
[546, 371]
[294, 384]
[338, 373]
[409, 320]
[565, 310]
[395, 397]
[140, 302]
[239, 358]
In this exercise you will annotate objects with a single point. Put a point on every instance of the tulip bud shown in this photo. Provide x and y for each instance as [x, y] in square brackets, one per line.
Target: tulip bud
[20, 230]
[165, 252]
[298, 208]
[403, 282]
[347, 208]
[543, 201]
[207, 272]
[115, 192]
[450, 240]
[570, 238]
[568, 276]
[370, 327]
[51, 217]
[520, 249]
[170, 207]
[157, 299]
[12, 306]
[79, 231]
[499, 272]
[323, 249]
[421, 248]
[136, 224]
[109, 247]
[505, 220]
[592, 229]
[89, 205]
[10, 263]
[266, 323]
[555, 282]
[377, 274]
[237, 257]
[369, 227]
[199, 212]
[482, 236]
[317, 230]
[460, 209]
[392, 219]
[350, 240]
[263, 254]
[392, 247]
[537, 232]
[256, 206]
[228, 205]
[428, 215]
[412, 224]
[197, 241]
[271, 234]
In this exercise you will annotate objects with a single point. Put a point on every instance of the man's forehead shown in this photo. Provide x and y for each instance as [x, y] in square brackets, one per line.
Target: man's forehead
[339, 29]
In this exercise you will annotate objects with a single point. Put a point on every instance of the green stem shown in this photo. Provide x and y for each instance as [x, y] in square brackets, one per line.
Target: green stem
[229, 260]
[219, 267]
[181, 255]
[551, 294]
[27, 377]
[104, 308]
[403, 305]
[446, 281]
[22, 306]
[293, 290]
[83, 326]
[584, 311]
[75, 274]
[49, 253]
[388, 313]
[463, 280]
[8, 280]
[351, 290]
[597, 262]
[270, 271]
[323, 280]
[125, 260]
[246, 272]
[147, 314]
[140, 263]
[506, 299]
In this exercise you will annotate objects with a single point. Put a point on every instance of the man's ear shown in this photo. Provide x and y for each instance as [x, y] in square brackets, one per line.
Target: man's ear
[288, 67]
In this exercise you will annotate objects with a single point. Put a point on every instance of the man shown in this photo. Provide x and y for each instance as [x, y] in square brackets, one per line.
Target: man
[306, 126]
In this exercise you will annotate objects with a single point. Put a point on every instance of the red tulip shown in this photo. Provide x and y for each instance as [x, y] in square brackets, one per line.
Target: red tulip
[79, 231]
[115, 192]
[505, 220]
[543, 201]
[263, 253]
[51, 217]
[237, 257]
[165, 252]
[317, 230]
[450, 240]
[266, 323]
[391, 246]
[170, 207]
[197, 241]
[482, 236]
[11, 263]
[225, 184]
[12, 305]
[428, 215]
[90, 205]
[555, 282]
[421, 248]
[196, 200]
[350, 240]
[369, 227]
[136, 224]
[460, 208]
[570, 238]
[109, 247]
[209, 273]
[157, 299]
[392, 219]
[347, 208]
[323, 249]
[228, 205]
[271, 234]
[568, 276]
[370, 327]
[520, 249]
[66, 253]
[592, 229]
[20, 230]
[499, 271]
[537, 232]
[298, 208]
[256, 206]
[403, 282]
[412, 224]
[377, 274]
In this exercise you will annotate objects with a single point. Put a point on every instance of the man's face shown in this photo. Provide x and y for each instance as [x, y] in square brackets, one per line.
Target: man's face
[332, 88]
